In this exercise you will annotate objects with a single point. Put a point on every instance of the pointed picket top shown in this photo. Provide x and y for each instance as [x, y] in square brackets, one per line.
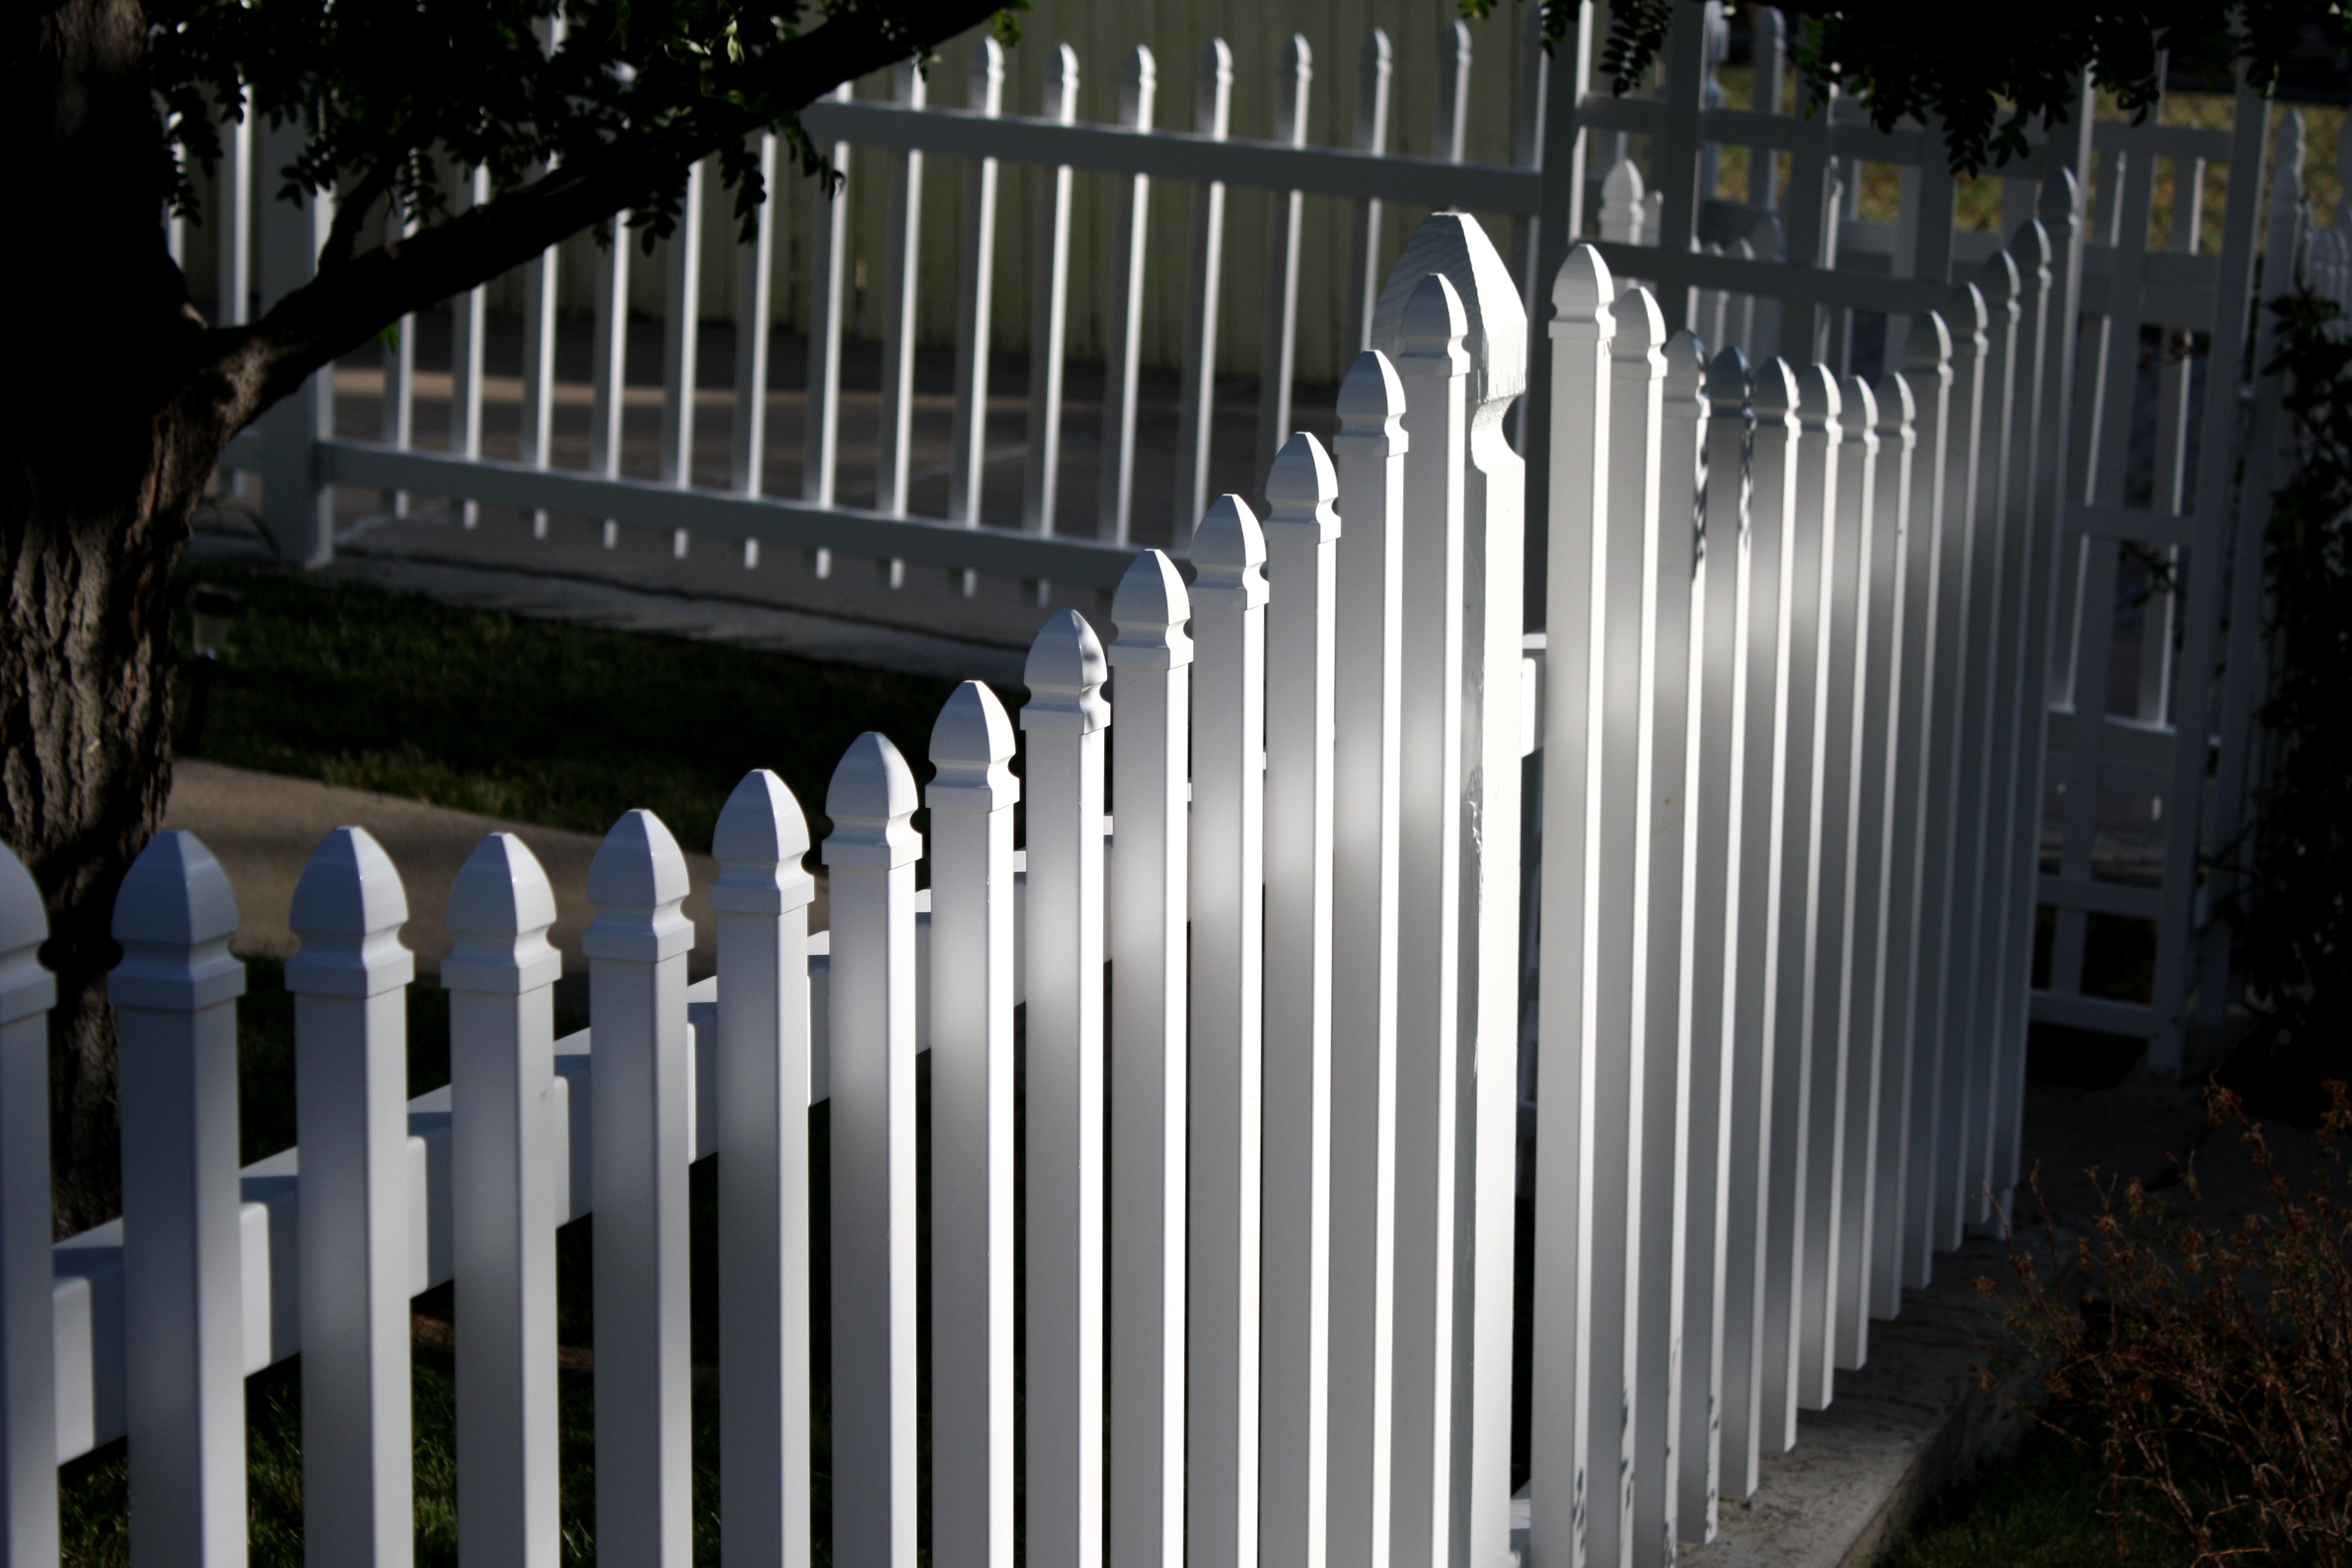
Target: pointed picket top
[972, 750]
[870, 800]
[1621, 202]
[1818, 404]
[1299, 491]
[1896, 410]
[2029, 243]
[1138, 85]
[1580, 293]
[1061, 85]
[173, 916]
[1229, 558]
[2001, 281]
[1494, 332]
[1773, 392]
[1728, 383]
[1928, 348]
[1372, 409]
[1150, 610]
[636, 883]
[349, 908]
[26, 988]
[500, 909]
[1430, 331]
[987, 81]
[1065, 676]
[1685, 368]
[1641, 328]
[1212, 108]
[1858, 411]
[760, 842]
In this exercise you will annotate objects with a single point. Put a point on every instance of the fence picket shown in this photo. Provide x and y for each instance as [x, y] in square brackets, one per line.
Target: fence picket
[828, 277]
[1149, 903]
[681, 335]
[1286, 215]
[637, 950]
[1123, 319]
[28, 1386]
[895, 438]
[502, 1138]
[1196, 390]
[349, 982]
[1063, 952]
[468, 337]
[975, 309]
[1375, 68]
[870, 1044]
[1368, 456]
[396, 417]
[608, 375]
[747, 467]
[760, 904]
[1048, 312]
[174, 995]
[1302, 535]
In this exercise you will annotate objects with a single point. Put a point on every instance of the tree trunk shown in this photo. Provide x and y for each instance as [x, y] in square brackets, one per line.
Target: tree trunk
[107, 435]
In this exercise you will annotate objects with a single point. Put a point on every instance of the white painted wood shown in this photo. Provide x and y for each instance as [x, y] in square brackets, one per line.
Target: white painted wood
[1227, 1010]
[503, 1140]
[1375, 67]
[1450, 132]
[174, 995]
[681, 335]
[1302, 535]
[1063, 956]
[1753, 960]
[1622, 203]
[1286, 216]
[828, 277]
[349, 982]
[1927, 371]
[1197, 387]
[870, 860]
[636, 949]
[1577, 596]
[469, 332]
[1368, 456]
[1433, 368]
[900, 266]
[396, 412]
[541, 289]
[297, 508]
[232, 224]
[1719, 714]
[759, 901]
[608, 376]
[754, 304]
[1048, 310]
[28, 1386]
[1149, 903]
[972, 797]
[1123, 321]
[975, 309]
[1667, 779]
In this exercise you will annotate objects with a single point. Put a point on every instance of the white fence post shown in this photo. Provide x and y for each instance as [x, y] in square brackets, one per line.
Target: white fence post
[1148, 904]
[174, 996]
[637, 971]
[1369, 459]
[1576, 596]
[1434, 370]
[871, 1065]
[1063, 956]
[972, 797]
[28, 1415]
[1225, 1149]
[502, 1140]
[759, 901]
[1302, 535]
[1196, 390]
[350, 981]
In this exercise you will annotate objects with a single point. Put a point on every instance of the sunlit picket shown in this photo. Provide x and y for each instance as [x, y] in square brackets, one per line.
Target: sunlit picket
[1773, 771]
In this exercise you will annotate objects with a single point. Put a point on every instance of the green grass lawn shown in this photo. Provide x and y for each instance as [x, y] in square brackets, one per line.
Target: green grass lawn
[2038, 1508]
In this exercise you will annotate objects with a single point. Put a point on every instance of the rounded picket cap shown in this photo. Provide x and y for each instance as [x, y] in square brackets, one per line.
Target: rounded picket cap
[2001, 283]
[1213, 101]
[987, 76]
[1372, 409]
[971, 746]
[2060, 204]
[1686, 370]
[349, 908]
[1728, 383]
[1430, 328]
[760, 841]
[173, 916]
[1896, 408]
[26, 987]
[1774, 390]
[1065, 676]
[1061, 84]
[1928, 346]
[636, 883]
[1299, 489]
[1582, 290]
[1139, 84]
[1970, 317]
[1229, 557]
[2029, 242]
[500, 908]
[1494, 319]
[870, 799]
[1150, 610]
[1641, 326]
[2292, 140]
[1858, 411]
[1621, 186]
[1817, 405]
[1299, 58]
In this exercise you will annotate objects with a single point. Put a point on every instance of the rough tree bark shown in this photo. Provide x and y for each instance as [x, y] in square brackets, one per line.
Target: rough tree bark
[120, 399]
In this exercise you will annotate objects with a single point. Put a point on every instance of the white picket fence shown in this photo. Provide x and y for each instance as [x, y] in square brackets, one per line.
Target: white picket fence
[1269, 1292]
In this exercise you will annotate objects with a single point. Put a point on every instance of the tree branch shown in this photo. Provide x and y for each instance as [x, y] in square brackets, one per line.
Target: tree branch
[345, 305]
